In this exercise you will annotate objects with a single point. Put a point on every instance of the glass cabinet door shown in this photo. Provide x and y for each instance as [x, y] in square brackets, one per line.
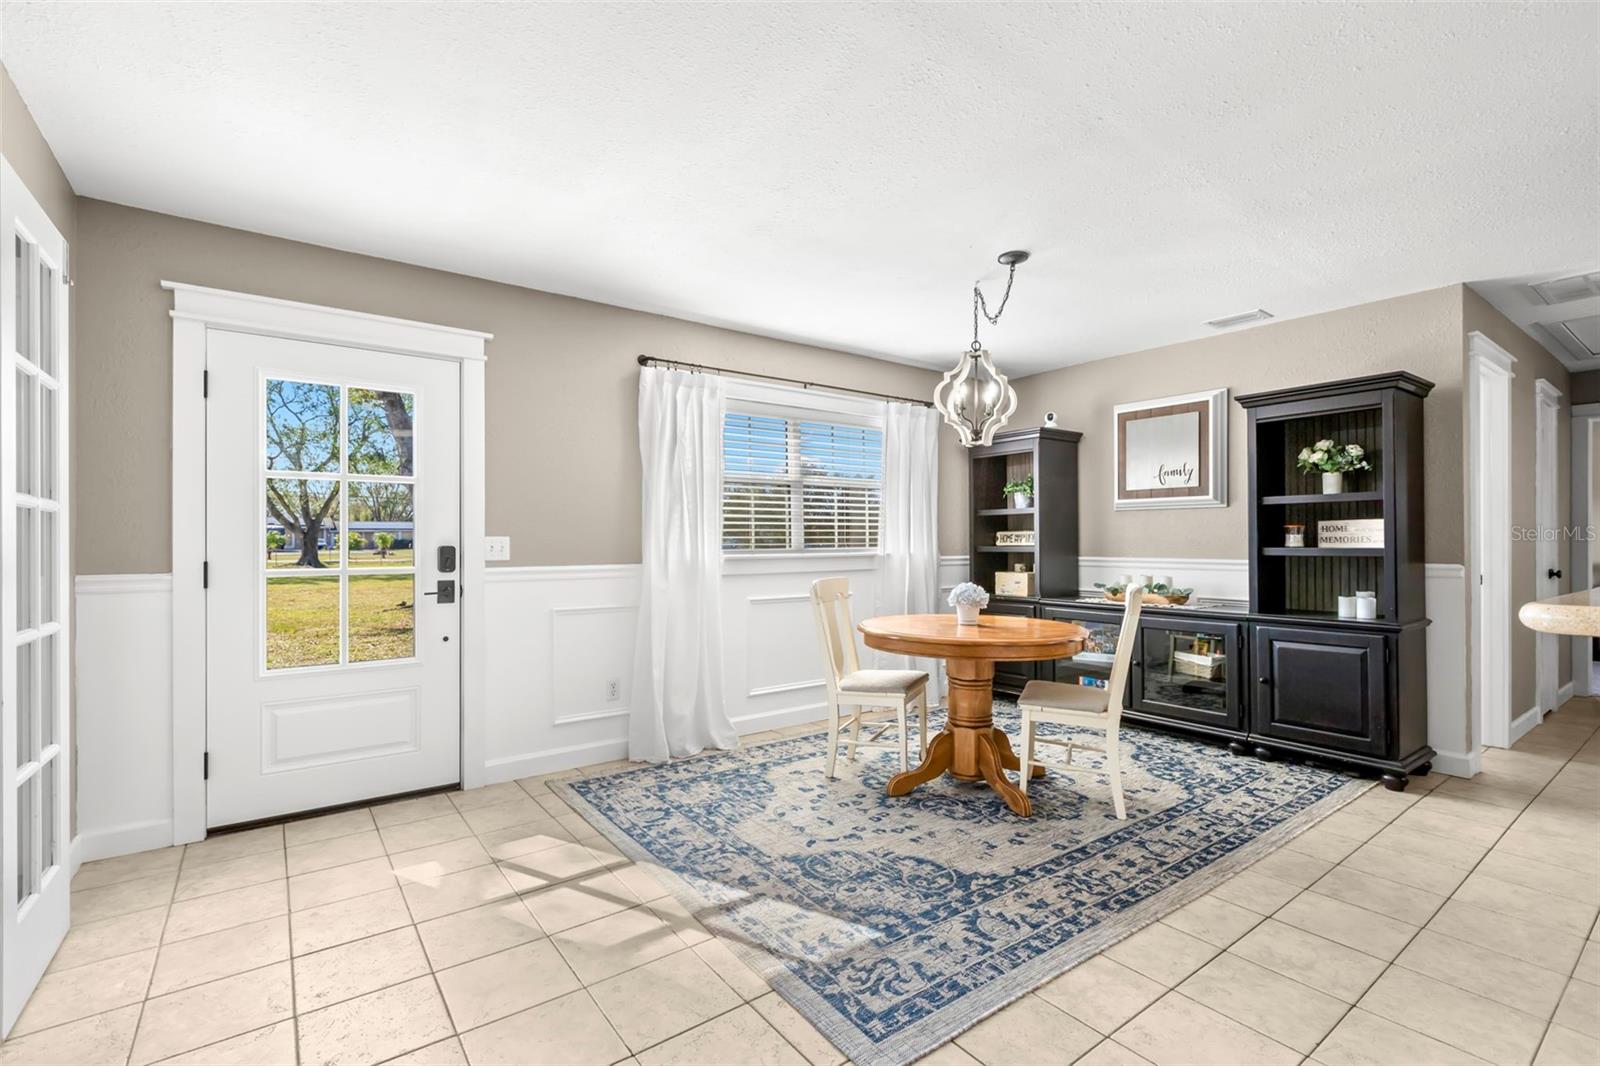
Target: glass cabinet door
[1188, 672]
[1092, 665]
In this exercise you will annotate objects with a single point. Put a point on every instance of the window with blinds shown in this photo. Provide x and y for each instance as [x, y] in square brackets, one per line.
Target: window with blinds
[793, 483]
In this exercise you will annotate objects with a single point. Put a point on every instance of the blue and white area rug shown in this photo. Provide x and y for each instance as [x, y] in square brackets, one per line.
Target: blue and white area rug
[894, 924]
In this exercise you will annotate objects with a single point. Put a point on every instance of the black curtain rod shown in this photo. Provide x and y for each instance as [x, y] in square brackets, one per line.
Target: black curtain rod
[647, 360]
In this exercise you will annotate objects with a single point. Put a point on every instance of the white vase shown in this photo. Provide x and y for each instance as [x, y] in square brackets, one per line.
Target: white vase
[1021, 501]
[967, 614]
[1332, 483]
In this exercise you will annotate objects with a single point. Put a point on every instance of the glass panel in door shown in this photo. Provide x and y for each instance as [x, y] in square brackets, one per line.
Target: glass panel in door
[338, 548]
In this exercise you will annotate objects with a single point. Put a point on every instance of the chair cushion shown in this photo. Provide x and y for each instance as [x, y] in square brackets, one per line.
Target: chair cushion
[886, 681]
[1055, 696]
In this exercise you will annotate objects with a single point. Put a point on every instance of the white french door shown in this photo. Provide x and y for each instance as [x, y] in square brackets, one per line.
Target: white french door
[35, 774]
[333, 515]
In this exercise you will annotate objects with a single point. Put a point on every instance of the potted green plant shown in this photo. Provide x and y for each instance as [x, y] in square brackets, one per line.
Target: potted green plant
[1021, 492]
[1332, 460]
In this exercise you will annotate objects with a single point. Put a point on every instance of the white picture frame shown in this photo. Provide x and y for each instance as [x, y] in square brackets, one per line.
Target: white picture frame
[1170, 452]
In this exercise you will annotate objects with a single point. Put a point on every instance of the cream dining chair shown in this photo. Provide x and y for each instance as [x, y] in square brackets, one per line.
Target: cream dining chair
[1086, 706]
[865, 692]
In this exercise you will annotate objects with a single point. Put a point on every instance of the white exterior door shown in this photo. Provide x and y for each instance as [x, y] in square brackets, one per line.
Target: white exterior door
[35, 641]
[333, 643]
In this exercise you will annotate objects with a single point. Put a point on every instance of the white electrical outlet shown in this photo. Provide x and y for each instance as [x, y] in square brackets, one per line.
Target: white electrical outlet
[497, 549]
[613, 690]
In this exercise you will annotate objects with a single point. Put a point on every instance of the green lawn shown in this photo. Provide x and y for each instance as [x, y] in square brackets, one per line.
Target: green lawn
[278, 560]
[303, 619]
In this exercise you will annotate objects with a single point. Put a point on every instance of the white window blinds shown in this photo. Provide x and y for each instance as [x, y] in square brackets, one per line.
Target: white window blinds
[799, 483]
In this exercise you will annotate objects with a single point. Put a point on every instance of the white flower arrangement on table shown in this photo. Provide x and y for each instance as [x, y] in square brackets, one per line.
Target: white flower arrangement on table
[1329, 457]
[968, 599]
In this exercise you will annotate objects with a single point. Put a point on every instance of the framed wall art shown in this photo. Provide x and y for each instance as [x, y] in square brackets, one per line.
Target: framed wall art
[1171, 452]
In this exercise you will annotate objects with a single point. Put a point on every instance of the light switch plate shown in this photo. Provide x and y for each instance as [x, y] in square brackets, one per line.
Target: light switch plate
[497, 549]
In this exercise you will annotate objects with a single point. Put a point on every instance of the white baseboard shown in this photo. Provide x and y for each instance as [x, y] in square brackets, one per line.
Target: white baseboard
[1457, 764]
[117, 840]
[1565, 692]
[1523, 724]
[511, 767]
[779, 719]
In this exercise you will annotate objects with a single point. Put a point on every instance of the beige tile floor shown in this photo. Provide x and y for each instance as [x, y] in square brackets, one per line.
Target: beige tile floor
[1451, 923]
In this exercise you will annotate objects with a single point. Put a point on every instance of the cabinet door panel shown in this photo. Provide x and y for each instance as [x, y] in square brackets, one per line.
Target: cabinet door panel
[1091, 666]
[1321, 687]
[1010, 677]
[1189, 672]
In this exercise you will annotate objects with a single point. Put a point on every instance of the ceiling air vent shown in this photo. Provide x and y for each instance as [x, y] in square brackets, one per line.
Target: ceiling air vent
[1561, 290]
[1578, 337]
[1243, 318]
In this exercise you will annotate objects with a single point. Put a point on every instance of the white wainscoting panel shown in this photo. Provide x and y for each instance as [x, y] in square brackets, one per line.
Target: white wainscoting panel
[124, 713]
[1449, 706]
[557, 636]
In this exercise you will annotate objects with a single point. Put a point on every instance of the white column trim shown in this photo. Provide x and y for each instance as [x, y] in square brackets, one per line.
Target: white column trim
[197, 310]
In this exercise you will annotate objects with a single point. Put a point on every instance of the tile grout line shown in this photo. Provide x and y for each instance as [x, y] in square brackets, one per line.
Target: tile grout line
[1395, 962]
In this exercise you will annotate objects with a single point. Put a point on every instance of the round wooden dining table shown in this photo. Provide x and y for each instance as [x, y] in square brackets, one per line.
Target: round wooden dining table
[970, 748]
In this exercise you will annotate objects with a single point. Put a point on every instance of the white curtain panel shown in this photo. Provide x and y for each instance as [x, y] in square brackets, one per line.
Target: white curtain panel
[908, 531]
[677, 699]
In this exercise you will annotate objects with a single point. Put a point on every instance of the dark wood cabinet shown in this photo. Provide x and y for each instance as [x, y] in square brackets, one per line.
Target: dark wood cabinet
[1010, 677]
[1189, 671]
[1050, 457]
[1322, 688]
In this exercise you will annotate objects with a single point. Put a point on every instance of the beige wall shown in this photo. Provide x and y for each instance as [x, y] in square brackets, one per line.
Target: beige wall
[1533, 363]
[562, 384]
[25, 149]
[1420, 333]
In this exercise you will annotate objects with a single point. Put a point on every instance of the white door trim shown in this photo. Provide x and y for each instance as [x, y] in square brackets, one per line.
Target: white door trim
[196, 310]
[1489, 377]
[1583, 557]
[1546, 553]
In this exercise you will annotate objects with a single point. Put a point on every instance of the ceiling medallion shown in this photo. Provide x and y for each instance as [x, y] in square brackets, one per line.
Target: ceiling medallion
[974, 397]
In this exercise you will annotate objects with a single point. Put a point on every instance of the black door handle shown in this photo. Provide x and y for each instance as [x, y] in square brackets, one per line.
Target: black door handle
[1552, 573]
[446, 591]
[1265, 680]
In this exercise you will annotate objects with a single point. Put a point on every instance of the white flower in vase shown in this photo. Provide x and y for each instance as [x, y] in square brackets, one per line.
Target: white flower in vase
[968, 599]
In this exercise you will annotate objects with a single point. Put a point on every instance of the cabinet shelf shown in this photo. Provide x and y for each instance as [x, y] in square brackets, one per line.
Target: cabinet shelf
[1322, 497]
[1000, 512]
[1010, 549]
[1327, 553]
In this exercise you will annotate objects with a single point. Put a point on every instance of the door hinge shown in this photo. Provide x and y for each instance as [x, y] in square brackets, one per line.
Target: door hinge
[205, 384]
[205, 766]
[205, 574]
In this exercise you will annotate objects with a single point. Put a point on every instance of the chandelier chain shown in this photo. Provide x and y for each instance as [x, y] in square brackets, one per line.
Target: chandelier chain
[981, 306]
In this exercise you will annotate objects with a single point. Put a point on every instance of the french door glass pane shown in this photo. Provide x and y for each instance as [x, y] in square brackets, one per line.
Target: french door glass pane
[25, 432]
[302, 621]
[382, 617]
[48, 696]
[23, 303]
[48, 549]
[25, 839]
[25, 654]
[381, 432]
[47, 811]
[382, 524]
[47, 442]
[46, 360]
[27, 567]
[302, 427]
[302, 522]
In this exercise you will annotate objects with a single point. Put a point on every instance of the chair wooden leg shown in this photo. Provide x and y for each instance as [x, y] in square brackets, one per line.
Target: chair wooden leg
[833, 737]
[855, 733]
[1114, 765]
[922, 735]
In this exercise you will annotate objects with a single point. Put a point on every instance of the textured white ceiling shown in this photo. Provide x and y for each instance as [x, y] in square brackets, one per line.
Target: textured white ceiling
[841, 174]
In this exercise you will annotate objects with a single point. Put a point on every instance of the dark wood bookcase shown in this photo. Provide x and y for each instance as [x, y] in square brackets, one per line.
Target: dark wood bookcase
[1051, 456]
[1325, 684]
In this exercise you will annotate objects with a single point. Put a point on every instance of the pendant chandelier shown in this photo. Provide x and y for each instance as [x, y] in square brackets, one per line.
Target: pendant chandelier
[974, 397]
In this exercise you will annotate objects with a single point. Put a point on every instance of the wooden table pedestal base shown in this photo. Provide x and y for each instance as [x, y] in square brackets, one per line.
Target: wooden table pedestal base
[970, 748]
